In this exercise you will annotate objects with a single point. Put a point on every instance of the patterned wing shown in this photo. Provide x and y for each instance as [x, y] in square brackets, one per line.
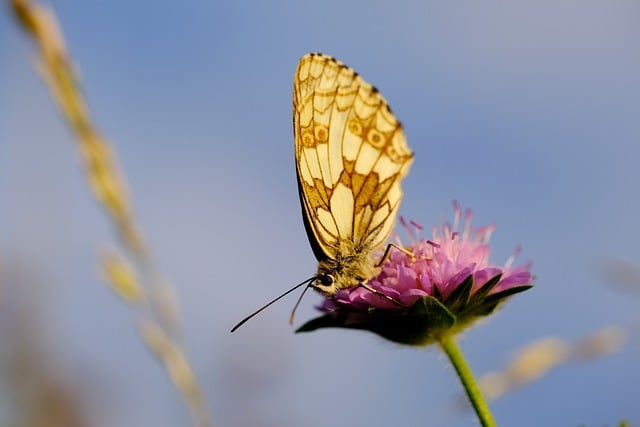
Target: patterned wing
[351, 154]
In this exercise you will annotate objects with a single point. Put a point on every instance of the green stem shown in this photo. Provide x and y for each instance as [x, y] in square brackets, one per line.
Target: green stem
[448, 344]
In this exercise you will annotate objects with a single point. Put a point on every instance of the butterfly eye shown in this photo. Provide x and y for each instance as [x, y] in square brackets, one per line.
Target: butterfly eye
[325, 280]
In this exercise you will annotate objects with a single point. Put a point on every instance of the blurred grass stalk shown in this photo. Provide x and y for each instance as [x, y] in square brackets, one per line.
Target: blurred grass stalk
[539, 357]
[136, 282]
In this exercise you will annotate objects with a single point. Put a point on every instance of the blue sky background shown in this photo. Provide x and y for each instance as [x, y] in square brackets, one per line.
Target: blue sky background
[529, 113]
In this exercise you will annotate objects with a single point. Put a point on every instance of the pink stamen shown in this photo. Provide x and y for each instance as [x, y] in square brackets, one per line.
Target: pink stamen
[467, 223]
[512, 258]
[403, 222]
[456, 215]
[434, 244]
[446, 231]
[468, 215]
[411, 228]
[488, 232]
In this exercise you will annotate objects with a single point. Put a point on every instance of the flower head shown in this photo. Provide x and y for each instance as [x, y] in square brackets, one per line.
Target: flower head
[429, 287]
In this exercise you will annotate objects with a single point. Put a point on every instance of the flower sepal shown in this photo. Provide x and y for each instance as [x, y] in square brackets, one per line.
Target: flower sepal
[419, 324]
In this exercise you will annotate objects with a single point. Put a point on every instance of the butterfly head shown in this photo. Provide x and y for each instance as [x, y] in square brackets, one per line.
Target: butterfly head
[343, 272]
[325, 283]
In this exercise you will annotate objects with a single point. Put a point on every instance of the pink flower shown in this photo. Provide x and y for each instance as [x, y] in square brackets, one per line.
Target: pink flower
[442, 283]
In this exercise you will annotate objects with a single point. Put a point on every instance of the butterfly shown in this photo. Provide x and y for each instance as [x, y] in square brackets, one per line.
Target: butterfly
[351, 155]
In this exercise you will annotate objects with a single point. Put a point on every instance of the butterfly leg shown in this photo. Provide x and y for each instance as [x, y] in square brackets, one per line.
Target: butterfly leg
[380, 294]
[387, 252]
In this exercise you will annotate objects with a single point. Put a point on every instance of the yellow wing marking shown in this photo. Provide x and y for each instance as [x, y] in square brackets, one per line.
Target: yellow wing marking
[351, 155]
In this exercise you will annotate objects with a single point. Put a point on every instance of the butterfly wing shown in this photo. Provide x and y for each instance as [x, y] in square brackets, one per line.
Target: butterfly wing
[351, 154]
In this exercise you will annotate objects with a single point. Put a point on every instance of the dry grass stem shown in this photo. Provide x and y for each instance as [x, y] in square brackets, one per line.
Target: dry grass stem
[134, 278]
[539, 357]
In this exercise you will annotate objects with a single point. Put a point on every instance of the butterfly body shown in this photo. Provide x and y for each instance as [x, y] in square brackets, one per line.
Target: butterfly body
[350, 267]
[351, 155]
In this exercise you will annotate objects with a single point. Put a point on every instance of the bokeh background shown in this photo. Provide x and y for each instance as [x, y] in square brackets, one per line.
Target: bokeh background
[529, 113]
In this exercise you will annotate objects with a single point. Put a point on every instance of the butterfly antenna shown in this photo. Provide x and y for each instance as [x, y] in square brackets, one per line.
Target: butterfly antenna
[246, 319]
[295, 307]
